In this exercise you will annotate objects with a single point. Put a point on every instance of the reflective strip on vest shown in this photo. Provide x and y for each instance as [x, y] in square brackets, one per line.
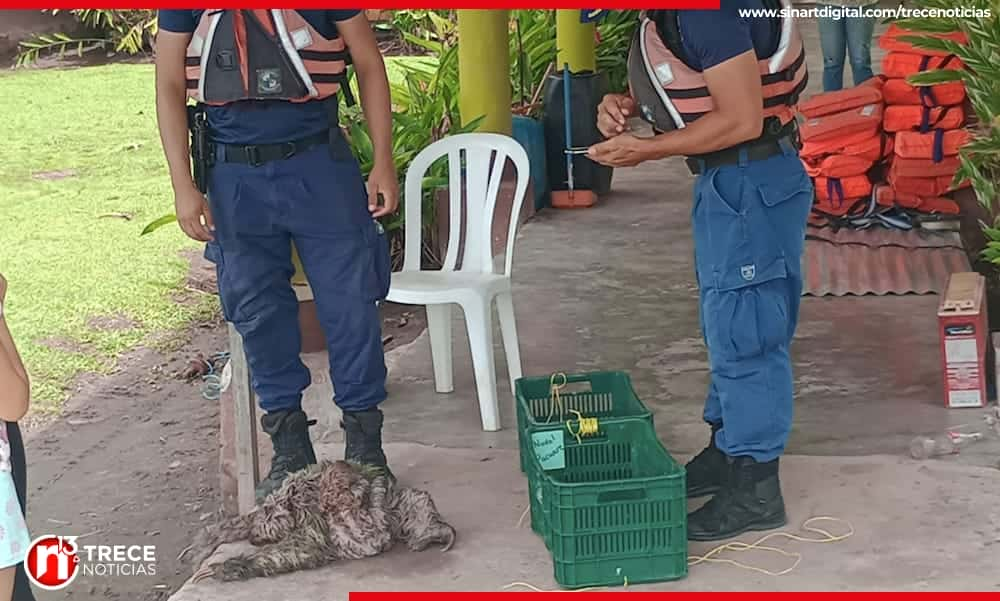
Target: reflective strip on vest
[684, 93]
[315, 66]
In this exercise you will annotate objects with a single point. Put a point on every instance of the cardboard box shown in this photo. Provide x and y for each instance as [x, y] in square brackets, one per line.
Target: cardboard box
[963, 328]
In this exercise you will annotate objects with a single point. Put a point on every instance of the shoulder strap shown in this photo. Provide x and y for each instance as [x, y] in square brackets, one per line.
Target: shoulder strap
[668, 27]
[777, 22]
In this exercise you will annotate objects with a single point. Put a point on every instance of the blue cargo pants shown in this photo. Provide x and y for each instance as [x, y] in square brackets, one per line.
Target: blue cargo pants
[749, 222]
[317, 199]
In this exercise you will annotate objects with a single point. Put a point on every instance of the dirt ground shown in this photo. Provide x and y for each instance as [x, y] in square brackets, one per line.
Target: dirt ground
[134, 459]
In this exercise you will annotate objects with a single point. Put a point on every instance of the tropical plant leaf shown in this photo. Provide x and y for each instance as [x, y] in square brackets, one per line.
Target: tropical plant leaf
[157, 224]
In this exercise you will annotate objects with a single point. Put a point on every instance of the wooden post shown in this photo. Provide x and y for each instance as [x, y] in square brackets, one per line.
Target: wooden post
[245, 425]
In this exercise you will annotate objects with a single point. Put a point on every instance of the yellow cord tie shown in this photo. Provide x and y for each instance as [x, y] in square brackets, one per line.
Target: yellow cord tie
[586, 426]
[554, 399]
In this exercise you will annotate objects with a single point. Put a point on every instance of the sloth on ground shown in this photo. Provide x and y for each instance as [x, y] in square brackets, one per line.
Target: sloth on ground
[327, 512]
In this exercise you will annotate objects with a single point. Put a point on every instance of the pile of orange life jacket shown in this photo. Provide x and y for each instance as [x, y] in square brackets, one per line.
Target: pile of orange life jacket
[842, 141]
[926, 122]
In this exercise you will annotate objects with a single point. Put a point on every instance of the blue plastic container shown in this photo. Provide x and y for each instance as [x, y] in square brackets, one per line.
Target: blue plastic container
[531, 134]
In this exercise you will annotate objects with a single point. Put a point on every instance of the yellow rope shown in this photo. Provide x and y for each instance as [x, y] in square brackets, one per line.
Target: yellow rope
[586, 426]
[554, 398]
[736, 546]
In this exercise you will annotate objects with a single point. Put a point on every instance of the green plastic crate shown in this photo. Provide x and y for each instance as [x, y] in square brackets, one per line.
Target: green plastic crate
[616, 512]
[605, 395]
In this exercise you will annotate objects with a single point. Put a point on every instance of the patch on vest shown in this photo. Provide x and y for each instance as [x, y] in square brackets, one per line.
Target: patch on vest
[269, 81]
[301, 38]
[664, 73]
[749, 272]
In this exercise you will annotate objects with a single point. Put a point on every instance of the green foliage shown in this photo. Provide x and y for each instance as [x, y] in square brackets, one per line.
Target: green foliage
[981, 157]
[426, 110]
[616, 31]
[533, 48]
[422, 24]
[122, 31]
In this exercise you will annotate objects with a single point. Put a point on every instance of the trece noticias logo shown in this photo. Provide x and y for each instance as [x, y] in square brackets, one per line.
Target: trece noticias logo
[52, 562]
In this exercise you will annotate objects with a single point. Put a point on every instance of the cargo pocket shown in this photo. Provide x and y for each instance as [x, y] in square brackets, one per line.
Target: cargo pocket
[746, 311]
[213, 253]
[748, 321]
[381, 260]
[786, 205]
[739, 247]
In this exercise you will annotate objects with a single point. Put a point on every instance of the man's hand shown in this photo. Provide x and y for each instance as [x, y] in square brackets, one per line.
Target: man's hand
[383, 180]
[3, 288]
[613, 114]
[193, 214]
[623, 150]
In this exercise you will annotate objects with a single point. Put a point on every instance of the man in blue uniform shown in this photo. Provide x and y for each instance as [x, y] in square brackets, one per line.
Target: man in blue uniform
[280, 172]
[751, 202]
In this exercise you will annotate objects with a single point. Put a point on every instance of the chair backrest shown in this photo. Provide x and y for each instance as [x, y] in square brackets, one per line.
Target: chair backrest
[485, 157]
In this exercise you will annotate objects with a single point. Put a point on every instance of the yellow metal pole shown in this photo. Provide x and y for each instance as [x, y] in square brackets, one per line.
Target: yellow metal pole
[574, 42]
[484, 69]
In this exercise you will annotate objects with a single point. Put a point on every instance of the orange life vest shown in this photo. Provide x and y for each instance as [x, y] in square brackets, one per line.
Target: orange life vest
[900, 65]
[930, 145]
[911, 117]
[947, 166]
[922, 186]
[837, 165]
[874, 148]
[840, 192]
[890, 41]
[876, 81]
[888, 197]
[670, 92]
[263, 54]
[862, 144]
[867, 119]
[847, 99]
[897, 91]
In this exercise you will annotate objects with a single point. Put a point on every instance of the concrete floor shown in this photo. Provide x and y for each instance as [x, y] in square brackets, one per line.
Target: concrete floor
[612, 288]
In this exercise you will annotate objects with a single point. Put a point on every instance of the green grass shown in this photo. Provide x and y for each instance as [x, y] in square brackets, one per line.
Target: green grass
[66, 261]
[67, 264]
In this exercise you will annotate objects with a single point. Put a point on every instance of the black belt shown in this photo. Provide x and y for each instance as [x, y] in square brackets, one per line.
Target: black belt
[756, 150]
[258, 154]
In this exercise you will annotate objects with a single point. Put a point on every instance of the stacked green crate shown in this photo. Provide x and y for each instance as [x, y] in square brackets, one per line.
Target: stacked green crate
[615, 513]
[607, 396]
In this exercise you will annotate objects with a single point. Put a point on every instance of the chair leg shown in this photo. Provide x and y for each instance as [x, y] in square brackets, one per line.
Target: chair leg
[479, 322]
[508, 327]
[439, 329]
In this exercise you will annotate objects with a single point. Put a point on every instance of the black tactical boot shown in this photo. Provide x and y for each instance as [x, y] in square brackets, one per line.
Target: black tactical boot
[289, 432]
[706, 473]
[749, 500]
[363, 439]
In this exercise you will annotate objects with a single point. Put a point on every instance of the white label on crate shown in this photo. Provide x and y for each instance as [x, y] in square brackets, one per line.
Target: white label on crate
[964, 398]
[960, 351]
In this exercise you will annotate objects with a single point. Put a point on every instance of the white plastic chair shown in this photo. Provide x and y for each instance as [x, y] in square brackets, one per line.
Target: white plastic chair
[472, 282]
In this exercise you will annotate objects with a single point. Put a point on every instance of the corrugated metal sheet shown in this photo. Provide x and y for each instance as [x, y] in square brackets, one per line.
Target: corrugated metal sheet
[880, 261]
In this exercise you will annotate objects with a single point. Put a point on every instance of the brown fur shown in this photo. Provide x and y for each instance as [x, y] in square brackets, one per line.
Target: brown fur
[324, 513]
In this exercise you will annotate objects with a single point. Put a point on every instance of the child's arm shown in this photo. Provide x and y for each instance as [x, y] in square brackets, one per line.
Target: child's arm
[376, 102]
[14, 385]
